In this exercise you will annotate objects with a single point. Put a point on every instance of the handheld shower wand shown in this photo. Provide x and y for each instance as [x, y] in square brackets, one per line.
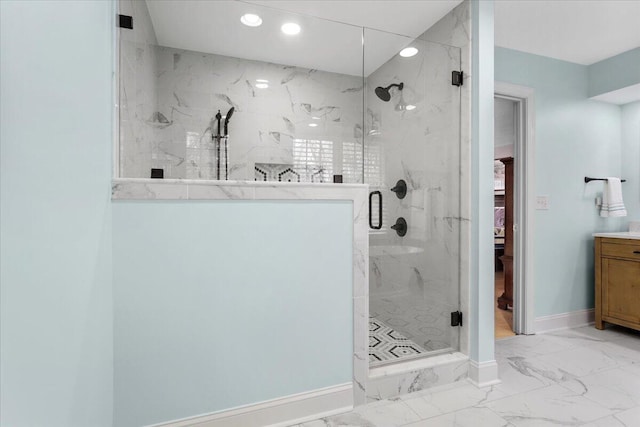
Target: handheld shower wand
[226, 120]
[217, 137]
[226, 137]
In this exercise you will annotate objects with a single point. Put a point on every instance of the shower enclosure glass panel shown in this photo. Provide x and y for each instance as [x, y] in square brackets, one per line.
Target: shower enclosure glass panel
[296, 99]
[412, 133]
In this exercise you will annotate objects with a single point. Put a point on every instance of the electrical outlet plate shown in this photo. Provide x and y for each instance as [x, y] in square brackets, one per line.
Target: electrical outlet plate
[542, 203]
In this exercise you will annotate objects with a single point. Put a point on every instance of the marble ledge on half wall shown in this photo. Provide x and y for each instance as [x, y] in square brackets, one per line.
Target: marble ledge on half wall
[192, 189]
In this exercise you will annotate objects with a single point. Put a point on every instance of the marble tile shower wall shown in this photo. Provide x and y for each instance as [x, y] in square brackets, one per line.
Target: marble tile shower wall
[415, 288]
[168, 98]
[269, 126]
[138, 96]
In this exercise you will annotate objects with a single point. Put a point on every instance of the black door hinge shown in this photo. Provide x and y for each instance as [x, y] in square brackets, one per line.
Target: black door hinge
[456, 318]
[125, 21]
[457, 78]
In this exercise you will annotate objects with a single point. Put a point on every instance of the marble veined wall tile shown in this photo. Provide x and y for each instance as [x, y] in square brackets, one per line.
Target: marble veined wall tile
[138, 95]
[268, 126]
[415, 280]
[454, 29]
[169, 97]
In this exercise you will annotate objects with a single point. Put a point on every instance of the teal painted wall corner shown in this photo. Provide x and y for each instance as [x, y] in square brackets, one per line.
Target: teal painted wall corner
[56, 357]
[575, 137]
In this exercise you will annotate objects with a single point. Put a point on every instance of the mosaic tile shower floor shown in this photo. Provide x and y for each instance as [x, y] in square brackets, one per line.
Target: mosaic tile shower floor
[427, 325]
[386, 344]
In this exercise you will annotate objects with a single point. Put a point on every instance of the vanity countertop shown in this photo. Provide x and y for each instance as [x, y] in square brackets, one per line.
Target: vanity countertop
[620, 235]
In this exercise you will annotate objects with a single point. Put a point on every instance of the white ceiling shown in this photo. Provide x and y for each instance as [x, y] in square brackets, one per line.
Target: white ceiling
[325, 44]
[580, 31]
[407, 17]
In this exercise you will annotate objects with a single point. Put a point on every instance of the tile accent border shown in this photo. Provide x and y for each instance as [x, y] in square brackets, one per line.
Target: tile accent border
[123, 189]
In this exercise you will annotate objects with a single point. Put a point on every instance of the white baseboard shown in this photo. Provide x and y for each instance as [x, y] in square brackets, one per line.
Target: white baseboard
[279, 412]
[572, 319]
[483, 374]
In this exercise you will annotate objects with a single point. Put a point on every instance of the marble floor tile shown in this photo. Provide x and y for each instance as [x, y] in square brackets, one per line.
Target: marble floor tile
[315, 423]
[611, 333]
[615, 389]
[576, 377]
[552, 405]
[470, 417]
[628, 418]
[529, 346]
[624, 351]
[390, 414]
[634, 368]
[581, 361]
[519, 374]
[432, 404]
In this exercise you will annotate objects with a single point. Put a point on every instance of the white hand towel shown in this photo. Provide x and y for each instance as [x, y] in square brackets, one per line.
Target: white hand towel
[612, 203]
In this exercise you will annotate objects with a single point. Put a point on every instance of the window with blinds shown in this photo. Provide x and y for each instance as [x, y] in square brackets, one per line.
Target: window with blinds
[313, 159]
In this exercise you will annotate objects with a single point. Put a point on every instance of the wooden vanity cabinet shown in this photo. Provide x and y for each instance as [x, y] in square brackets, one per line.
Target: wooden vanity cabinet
[617, 270]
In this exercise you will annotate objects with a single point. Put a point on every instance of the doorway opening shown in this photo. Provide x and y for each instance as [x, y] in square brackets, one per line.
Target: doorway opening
[505, 124]
[514, 202]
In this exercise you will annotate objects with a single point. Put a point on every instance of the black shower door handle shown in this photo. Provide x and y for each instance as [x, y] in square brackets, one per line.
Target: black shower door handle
[379, 194]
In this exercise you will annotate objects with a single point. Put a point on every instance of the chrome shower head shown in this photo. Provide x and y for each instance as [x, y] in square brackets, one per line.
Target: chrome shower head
[384, 92]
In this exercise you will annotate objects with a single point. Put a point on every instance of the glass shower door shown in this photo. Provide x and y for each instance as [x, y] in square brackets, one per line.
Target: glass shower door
[412, 157]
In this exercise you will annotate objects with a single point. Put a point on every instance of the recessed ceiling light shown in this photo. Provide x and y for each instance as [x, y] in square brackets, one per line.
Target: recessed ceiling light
[313, 125]
[410, 107]
[251, 20]
[408, 52]
[262, 85]
[262, 81]
[290, 28]
[315, 118]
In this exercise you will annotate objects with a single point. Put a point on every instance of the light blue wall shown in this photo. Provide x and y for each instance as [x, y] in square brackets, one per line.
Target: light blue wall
[575, 137]
[55, 215]
[223, 304]
[482, 148]
[249, 290]
[631, 159]
[615, 73]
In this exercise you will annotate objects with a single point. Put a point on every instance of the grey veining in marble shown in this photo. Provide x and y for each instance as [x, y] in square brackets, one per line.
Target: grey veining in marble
[532, 393]
[137, 93]
[454, 29]
[443, 369]
[169, 97]
[416, 290]
[168, 124]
